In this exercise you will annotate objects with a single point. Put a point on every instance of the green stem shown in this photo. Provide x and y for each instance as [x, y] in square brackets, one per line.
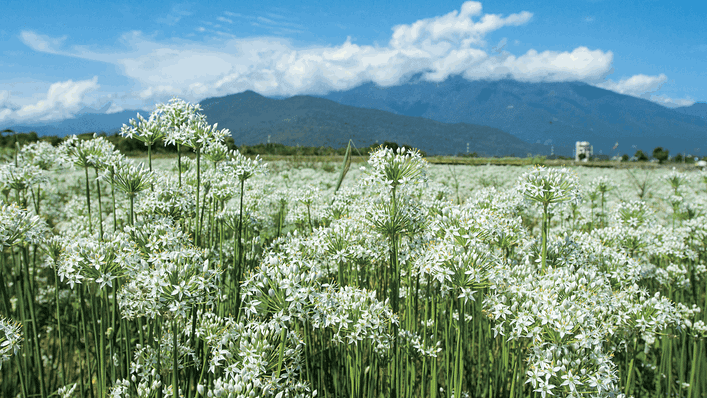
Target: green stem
[198, 184]
[696, 351]
[175, 361]
[20, 372]
[179, 164]
[282, 352]
[460, 362]
[629, 377]
[58, 324]
[132, 203]
[88, 202]
[112, 192]
[30, 299]
[544, 237]
[85, 334]
[100, 206]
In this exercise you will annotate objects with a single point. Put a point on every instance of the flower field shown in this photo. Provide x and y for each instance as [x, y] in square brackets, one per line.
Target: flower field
[216, 275]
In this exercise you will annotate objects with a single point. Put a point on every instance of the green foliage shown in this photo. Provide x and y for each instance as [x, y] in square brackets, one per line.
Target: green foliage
[660, 154]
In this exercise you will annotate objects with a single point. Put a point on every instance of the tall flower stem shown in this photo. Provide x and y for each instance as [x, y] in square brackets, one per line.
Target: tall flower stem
[88, 202]
[58, 324]
[20, 372]
[240, 225]
[197, 231]
[24, 258]
[100, 206]
[132, 206]
[179, 164]
[175, 361]
[544, 235]
[112, 192]
[82, 306]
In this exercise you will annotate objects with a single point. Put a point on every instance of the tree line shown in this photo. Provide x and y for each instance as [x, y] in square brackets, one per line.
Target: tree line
[133, 147]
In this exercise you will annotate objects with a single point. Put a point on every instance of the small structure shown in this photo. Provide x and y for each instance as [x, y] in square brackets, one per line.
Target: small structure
[583, 148]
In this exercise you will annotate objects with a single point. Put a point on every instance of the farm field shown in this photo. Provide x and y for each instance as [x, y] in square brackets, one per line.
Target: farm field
[220, 275]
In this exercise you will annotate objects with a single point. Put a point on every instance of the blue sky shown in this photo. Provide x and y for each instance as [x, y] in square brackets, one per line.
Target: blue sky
[60, 57]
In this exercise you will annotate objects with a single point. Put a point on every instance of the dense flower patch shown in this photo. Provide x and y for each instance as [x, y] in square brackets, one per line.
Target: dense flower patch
[216, 275]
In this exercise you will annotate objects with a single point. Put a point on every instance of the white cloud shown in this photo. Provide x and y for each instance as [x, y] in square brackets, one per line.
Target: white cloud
[643, 86]
[637, 86]
[5, 99]
[114, 109]
[581, 64]
[671, 102]
[589, 19]
[41, 43]
[501, 44]
[176, 13]
[224, 19]
[63, 100]
[451, 44]
[454, 27]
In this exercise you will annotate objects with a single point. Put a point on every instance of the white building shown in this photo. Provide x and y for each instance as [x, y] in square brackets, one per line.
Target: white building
[583, 147]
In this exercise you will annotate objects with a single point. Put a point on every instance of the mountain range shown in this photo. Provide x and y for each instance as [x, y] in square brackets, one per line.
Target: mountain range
[310, 121]
[556, 114]
[502, 117]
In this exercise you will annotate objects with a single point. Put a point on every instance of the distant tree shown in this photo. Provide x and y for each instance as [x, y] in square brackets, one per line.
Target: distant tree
[660, 154]
[640, 156]
[678, 158]
[392, 145]
[625, 157]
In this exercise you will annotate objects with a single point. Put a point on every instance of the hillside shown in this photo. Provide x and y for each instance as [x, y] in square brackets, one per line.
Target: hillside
[546, 113]
[310, 121]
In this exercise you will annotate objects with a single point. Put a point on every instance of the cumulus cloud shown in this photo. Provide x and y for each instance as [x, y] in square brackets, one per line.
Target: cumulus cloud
[63, 100]
[643, 86]
[438, 47]
[671, 102]
[455, 27]
[637, 85]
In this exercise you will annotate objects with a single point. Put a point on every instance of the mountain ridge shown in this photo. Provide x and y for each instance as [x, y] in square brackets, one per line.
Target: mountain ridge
[552, 113]
[538, 118]
[312, 121]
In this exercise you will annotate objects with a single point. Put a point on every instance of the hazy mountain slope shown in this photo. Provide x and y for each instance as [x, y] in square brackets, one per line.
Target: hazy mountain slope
[310, 121]
[698, 109]
[88, 122]
[552, 113]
